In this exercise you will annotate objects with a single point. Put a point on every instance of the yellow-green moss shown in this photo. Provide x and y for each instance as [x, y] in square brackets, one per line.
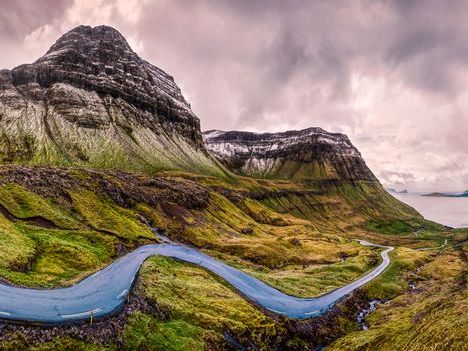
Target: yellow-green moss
[433, 318]
[102, 214]
[22, 203]
[147, 333]
[60, 256]
[16, 248]
[206, 304]
[18, 342]
[391, 282]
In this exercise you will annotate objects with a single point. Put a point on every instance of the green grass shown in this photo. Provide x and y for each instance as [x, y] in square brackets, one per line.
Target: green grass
[102, 214]
[255, 235]
[147, 333]
[200, 302]
[432, 319]
[321, 260]
[60, 256]
[36, 256]
[391, 282]
[389, 227]
[17, 248]
[330, 266]
[22, 203]
[293, 238]
[320, 279]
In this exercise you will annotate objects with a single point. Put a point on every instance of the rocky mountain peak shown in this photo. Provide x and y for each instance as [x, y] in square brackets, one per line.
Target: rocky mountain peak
[308, 154]
[100, 58]
[92, 100]
[89, 40]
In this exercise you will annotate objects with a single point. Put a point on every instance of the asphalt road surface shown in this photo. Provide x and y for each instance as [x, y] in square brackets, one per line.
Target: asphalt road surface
[105, 292]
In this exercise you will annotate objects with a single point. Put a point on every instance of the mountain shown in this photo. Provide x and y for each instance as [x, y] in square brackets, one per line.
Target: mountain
[309, 154]
[92, 101]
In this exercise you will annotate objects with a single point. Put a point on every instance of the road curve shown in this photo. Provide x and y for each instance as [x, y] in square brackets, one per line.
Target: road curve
[105, 292]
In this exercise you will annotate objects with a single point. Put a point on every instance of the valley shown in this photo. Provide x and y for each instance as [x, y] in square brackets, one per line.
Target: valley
[104, 292]
[295, 252]
[104, 164]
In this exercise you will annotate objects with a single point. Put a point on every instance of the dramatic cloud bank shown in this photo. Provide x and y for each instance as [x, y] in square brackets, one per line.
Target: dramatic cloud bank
[390, 74]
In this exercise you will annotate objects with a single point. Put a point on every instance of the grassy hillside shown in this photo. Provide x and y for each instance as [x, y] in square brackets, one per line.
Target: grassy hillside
[261, 226]
[433, 316]
[59, 224]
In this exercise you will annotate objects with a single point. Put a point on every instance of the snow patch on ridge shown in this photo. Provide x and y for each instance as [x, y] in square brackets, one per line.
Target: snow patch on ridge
[235, 143]
[312, 154]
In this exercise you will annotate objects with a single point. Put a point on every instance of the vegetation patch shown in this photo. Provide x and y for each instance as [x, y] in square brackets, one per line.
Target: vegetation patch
[17, 249]
[22, 203]
[204, 304]
[296, 237]
[102, 214]
[391, 282]
[389, 227]
[147, 333]
[431, 317]
[60, 256]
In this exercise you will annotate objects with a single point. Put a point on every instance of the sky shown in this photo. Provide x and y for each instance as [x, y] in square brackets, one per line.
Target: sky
[392, 75]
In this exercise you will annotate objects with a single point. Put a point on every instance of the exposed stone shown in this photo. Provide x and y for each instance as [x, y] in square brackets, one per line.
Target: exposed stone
[309, 154]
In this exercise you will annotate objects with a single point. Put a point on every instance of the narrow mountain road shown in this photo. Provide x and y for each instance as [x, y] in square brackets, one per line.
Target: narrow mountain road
[434, 248]
[105, 292]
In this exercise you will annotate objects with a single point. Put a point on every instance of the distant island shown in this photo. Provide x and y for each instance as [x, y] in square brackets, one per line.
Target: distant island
[438, 194]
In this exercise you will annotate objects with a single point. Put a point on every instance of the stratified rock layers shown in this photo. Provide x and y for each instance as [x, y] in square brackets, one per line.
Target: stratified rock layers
[309, 154]
[92, 101]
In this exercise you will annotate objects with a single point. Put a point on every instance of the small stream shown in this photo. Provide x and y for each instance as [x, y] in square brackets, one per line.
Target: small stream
[157, 233]
[361, 317]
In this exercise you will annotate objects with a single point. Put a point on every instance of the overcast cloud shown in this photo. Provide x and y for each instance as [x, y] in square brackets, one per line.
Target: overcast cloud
[390, 74]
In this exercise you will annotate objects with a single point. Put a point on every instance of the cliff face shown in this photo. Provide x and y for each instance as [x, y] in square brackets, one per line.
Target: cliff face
[309, 154]
[91, 100]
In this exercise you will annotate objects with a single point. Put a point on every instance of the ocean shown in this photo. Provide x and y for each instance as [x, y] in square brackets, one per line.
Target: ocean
[450, 211]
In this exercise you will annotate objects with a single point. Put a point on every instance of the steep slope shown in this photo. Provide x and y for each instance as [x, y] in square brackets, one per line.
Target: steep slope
[60, 224]
[323, 162]
[431, 317]
[92, 101]
[309, 154]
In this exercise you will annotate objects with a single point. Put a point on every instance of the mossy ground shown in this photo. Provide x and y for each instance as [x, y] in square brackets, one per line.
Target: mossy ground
[60, 256]
[200, 303]
[296, 237]
[84, 236]
[19, 342]
[432, 317]
[25, 204]
[103, 215]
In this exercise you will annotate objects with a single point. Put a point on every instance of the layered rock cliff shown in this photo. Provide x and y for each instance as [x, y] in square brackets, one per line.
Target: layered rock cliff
[92, 101]
[309, 154]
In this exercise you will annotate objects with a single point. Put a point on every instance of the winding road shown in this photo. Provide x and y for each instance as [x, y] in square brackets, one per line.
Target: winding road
[105, 292]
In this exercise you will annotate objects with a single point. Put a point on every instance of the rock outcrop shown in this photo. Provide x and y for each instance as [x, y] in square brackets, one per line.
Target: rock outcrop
[90, 100]
[309, 154]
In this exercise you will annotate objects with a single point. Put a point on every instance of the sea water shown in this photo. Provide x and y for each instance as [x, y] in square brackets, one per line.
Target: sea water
[450, 211]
